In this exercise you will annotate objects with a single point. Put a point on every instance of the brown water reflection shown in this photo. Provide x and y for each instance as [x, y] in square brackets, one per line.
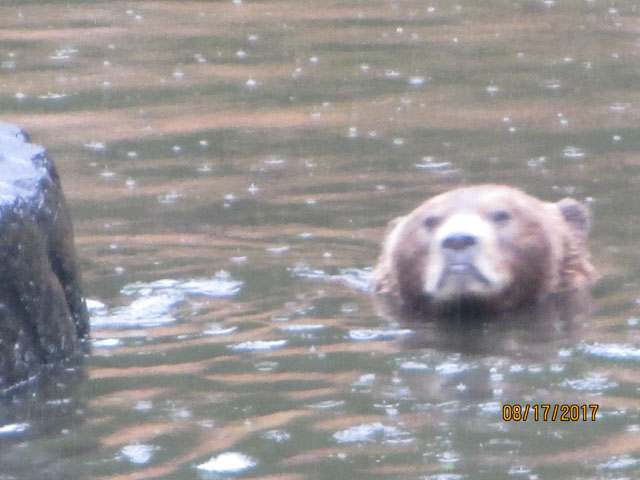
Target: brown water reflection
[273, 141]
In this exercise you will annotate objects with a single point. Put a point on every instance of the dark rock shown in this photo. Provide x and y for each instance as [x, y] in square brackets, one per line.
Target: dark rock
[42, 310]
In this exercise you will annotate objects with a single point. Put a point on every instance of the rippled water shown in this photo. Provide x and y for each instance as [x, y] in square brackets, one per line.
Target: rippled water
[231, 167]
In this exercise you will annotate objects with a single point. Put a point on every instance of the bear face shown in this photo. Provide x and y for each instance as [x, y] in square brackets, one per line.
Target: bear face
[488, 247]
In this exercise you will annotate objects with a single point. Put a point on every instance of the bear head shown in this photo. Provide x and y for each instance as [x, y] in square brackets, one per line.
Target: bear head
[487, 247]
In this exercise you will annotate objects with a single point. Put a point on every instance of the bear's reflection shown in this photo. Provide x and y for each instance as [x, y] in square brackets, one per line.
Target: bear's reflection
[530, 336]
[468, 331]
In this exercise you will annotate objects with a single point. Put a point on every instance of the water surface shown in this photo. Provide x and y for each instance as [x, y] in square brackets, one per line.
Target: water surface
[231, 166]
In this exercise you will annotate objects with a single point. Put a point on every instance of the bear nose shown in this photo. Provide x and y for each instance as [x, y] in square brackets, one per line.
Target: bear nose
[459, 241]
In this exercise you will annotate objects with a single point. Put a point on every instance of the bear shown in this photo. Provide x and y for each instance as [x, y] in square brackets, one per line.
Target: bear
[485, 249]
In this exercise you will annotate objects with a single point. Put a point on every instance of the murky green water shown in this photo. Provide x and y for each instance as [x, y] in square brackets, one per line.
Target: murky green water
[231, 167]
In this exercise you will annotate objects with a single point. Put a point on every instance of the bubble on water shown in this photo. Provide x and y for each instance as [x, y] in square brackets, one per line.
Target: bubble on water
[273, 161]
[392, 74]
[251, 84]
[592, 382]
[358, 278]
[218, 329]
[492, 89]
[368, 432]
[95, 146]
[277, 436]
[258, 345]
[229, 462]
[619, 462]
[572, 153]
[328, 404]
[229, 198]
[302, 328]
[416, 80]
[453, 367]
[448, 457]
[154, 302]
[429, 163]
[52, 96]
[314, 59]
[106, 173]
[372, 334]
[170, 198]
[95, 305]
[553, 84]
[414, 366]
[310, 201]
[106, 343]
[536, 162]
[349, 308]
[616, 138]
[279, 250]
[11, 429]
[620, 351]
[63, 54]
[138, 453]
[619, 107]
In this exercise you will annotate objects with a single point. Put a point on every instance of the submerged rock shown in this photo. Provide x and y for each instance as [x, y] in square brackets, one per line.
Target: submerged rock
[42, 310]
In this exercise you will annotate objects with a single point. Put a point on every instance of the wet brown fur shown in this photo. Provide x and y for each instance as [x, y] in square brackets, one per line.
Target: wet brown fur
[545, 247]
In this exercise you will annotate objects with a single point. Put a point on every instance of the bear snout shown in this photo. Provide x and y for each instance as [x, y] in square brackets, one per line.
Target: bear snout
[459, 241]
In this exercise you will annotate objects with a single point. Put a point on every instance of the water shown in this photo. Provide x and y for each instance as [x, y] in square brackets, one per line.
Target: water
[231, 167]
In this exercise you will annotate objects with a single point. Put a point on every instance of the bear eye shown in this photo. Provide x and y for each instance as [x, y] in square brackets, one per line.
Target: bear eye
[431, 221]
[500, 216]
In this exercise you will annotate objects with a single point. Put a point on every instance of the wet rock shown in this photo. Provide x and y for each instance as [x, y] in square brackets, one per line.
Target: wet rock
[42, 310]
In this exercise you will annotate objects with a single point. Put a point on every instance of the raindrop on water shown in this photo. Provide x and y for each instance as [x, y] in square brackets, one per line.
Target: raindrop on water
[572, 152]
[492, 89]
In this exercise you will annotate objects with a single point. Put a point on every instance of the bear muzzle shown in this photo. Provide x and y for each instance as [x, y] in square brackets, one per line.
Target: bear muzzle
[462, 263]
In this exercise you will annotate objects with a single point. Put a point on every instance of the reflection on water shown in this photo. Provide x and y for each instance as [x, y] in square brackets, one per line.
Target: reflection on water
[231, 166]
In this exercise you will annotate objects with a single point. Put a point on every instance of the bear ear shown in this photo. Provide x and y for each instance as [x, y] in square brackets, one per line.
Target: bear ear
[576, 214]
